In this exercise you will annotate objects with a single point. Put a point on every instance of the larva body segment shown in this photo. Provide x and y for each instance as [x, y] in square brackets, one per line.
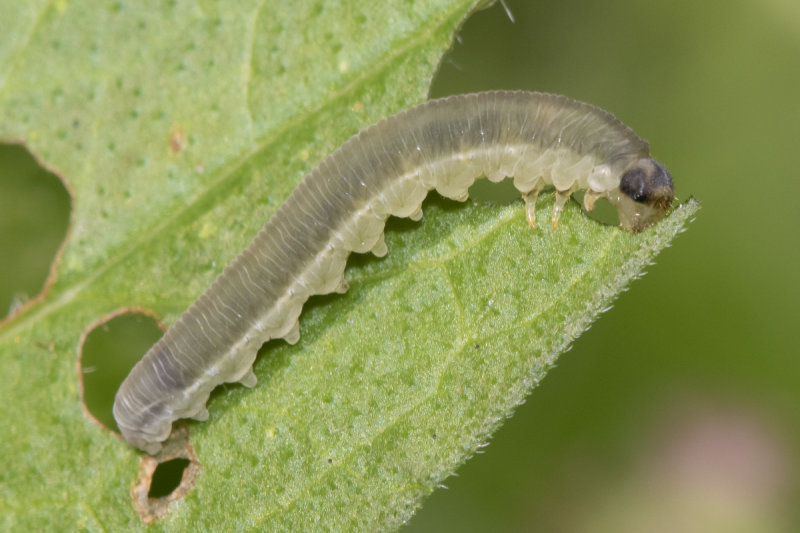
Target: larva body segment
[342, 206]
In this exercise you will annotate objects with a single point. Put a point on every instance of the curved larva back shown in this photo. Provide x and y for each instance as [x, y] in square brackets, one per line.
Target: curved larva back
[341, 206]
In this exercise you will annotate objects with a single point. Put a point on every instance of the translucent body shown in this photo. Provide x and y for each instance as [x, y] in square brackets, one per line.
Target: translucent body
[342, 206]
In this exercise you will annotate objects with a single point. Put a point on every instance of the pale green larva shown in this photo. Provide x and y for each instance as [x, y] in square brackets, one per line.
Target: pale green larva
[342, 206]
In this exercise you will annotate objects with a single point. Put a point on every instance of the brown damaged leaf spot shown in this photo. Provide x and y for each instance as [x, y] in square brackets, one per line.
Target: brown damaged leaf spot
[177, 140]
[175, 447]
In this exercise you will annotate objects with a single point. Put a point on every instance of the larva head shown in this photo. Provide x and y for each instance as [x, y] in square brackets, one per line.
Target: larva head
[644, 195]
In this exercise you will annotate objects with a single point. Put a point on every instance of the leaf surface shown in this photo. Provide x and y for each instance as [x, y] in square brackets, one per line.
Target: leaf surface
[179, 131]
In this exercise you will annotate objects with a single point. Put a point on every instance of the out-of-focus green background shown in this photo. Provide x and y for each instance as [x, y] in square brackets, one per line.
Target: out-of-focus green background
[680, 409]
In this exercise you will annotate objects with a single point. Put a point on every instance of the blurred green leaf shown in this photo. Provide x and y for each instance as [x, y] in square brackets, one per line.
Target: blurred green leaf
[179, 131]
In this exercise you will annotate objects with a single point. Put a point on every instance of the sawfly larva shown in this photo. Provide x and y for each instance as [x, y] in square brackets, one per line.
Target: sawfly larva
[342, 206]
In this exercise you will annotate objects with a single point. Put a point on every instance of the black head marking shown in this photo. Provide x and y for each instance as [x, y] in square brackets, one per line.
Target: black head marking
[648, 182]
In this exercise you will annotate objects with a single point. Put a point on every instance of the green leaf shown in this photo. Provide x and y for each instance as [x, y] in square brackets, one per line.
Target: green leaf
[179, 131]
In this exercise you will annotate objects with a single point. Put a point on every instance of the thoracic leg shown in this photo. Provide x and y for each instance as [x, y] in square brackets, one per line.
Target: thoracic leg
[558, 206]
[530, 205]
[590, 198]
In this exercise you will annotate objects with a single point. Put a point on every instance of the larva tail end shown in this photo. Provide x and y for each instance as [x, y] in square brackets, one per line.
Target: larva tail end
[143, 442]
[644, 195]
[151, 448]
[144, 428]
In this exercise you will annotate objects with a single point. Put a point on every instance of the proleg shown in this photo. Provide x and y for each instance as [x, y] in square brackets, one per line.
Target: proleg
[540, 140]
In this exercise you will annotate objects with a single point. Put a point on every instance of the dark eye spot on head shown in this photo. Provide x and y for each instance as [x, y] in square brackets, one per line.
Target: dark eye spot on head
[648, 182]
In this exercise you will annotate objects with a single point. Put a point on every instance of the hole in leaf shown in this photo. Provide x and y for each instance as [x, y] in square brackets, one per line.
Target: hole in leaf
[108, 351]
[34, 215]
[167, 477]
[603, 211]
[462, 69]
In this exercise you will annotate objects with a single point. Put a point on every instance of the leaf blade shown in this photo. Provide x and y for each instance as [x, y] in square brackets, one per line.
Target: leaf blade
[196, 203]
